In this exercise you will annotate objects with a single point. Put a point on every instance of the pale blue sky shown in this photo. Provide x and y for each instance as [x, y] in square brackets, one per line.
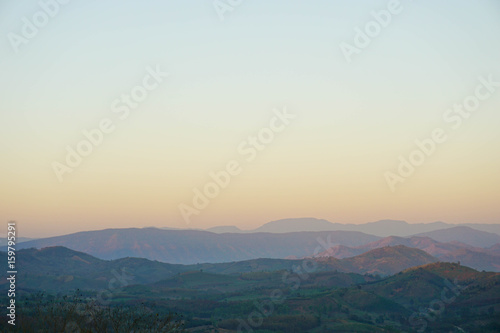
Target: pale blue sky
[225, 78]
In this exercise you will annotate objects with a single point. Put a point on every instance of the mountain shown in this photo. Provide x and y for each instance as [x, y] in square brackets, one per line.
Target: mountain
[298, 225]
[385, 228]
[465, 235]
[494, 249]
[493, 228]
[474, 257]
[382, 261]
[341, 252]
[419, 286]
[477, 260]
[59, 268]
[225, 229]
[427, 244]
[192, 246]
[382, 228]
[387, 260]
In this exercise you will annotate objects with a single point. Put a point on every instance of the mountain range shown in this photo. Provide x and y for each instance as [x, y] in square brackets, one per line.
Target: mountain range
[382, 228]
[478, 249]
[476, 257]
[192, 246]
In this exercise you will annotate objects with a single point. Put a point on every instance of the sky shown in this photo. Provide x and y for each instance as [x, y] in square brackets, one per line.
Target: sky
[239, 113]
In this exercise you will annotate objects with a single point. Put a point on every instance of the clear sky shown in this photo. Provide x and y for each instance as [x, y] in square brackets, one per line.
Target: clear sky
[353, 120]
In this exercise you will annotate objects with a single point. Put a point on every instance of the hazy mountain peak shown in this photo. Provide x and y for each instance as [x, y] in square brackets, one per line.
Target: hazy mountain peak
[296, 224]
[389, 222]
[225, 229]
[463, 234]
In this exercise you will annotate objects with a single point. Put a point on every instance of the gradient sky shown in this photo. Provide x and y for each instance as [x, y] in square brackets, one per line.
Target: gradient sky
[352, 121]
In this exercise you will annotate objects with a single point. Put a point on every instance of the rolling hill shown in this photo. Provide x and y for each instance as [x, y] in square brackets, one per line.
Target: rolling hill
[333, 296]
[423, 284]
[477, 260]
[382, 261]
[474, 257]
[387, 260]
[60, 268]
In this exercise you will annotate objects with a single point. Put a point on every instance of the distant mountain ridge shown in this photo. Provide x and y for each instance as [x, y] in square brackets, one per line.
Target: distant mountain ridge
[192, 246]
[297, 225]
[382, 228]
[198, 246]
[225, 229]
[465, 235]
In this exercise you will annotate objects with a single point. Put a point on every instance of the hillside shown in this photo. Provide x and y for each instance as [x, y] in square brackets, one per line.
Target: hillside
[420, 285]
[388, 260]
[382, 261]
[494, 249]
[326, 296]
[477, 260]
[59, 268]
[474, 257]
[341, 252]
